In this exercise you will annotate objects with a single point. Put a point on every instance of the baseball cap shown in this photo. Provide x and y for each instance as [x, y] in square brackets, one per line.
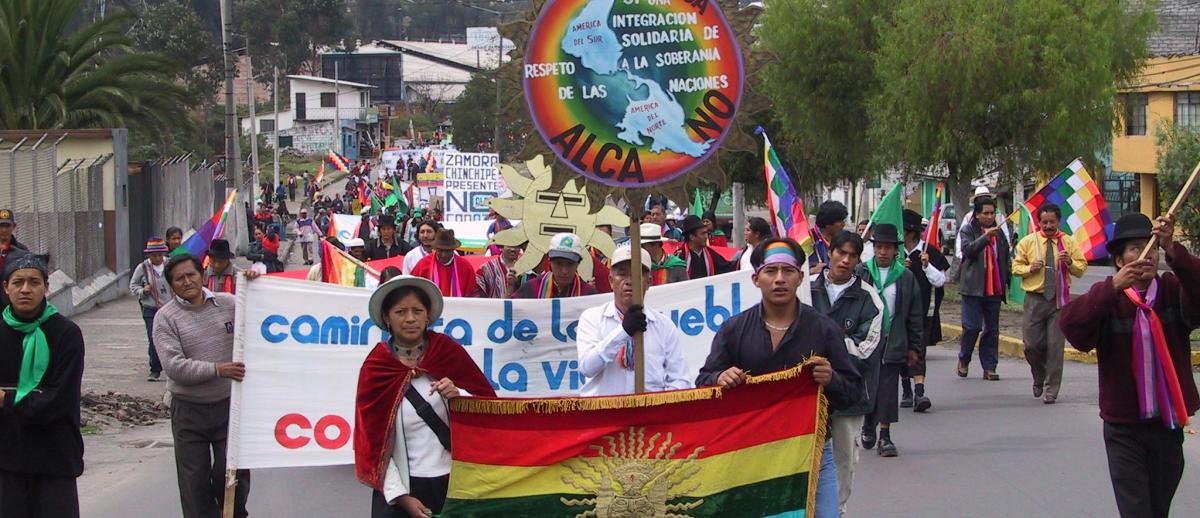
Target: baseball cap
[6, 217]
[565, 246]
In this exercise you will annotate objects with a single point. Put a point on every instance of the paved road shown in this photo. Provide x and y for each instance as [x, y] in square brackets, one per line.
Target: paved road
[986, 449]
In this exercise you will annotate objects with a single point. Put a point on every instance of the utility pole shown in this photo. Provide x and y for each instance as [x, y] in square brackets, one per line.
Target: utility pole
[275, 96]
[499, 61]
[254, 164]
[233, 170]
[337, 109]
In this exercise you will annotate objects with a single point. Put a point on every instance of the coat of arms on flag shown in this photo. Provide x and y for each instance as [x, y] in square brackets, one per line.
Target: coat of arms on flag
[660, 454]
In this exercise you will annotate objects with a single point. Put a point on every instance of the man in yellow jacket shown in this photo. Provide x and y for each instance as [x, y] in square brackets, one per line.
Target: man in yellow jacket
[1043, 261]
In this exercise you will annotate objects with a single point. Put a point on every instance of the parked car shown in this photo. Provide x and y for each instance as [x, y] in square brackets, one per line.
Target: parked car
[949, 228]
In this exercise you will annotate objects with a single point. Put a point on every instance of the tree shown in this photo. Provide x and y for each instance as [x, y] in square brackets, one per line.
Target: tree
[947, 86]
[474, 117]
[177, 32]
[1178, 153]
[299, 27]
[1007, 86]
[53, 78]
[821, 81]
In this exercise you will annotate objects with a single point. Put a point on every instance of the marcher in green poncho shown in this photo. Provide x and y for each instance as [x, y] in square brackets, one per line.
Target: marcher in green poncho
[41, 367]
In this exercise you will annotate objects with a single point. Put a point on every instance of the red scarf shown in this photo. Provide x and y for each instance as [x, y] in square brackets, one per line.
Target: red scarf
[706, 252]
[994, 285]
[227, 285]
[382, 382]
[454, 289]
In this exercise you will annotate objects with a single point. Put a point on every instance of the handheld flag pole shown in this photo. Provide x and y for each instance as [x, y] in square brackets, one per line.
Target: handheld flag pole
[1183, 194]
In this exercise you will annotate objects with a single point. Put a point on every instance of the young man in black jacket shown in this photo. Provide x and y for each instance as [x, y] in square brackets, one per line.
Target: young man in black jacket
[928, 266]
[41, 368]
[852, 304]
[902, 320]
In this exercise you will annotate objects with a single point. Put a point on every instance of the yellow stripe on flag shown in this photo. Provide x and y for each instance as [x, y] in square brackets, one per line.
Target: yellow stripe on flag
[717, 474]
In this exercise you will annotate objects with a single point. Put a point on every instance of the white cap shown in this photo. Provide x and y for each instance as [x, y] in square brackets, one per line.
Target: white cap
[566, 246]
[625, 253]
[354, 242]
[651, 233]
[982, 190]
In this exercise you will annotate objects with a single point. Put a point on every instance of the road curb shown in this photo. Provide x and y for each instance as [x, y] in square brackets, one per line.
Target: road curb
[1015, 348]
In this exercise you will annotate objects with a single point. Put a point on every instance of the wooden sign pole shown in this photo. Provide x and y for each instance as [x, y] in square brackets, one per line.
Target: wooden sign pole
[635, 268]
[1183, 194]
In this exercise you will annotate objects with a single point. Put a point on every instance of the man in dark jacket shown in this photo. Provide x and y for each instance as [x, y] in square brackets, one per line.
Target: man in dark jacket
[702, 261]
[902, 318]
[387, 245]
[984, 276]
[41, 449]
[840, 295]
[8, 243]
[1143, 425]
[779, 333]
[928, 266]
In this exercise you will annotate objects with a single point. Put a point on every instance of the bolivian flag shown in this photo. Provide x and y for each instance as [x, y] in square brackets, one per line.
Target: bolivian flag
[753, 450]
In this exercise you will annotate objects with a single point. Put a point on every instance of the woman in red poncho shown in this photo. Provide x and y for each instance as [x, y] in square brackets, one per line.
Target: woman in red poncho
[401, 412]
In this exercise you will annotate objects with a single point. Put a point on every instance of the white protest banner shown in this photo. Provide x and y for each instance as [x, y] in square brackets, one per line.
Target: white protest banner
[471, 179]
[345, 226]
[303, 344]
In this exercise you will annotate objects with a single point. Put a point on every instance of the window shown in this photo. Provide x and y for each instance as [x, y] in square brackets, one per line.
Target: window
[1122, 192]
[362, 99]
[327, 100]
[1135, 114]
[1187, 109]
[265, 125]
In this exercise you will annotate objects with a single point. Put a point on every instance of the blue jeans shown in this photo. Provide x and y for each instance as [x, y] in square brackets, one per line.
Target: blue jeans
[148, 317]
[828, 503]
[980, 314]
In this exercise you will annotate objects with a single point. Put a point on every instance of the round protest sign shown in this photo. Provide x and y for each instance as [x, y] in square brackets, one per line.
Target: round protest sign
[633, 93]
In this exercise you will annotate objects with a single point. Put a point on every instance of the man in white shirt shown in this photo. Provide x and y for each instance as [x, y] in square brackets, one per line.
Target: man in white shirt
[426, 231]
[605, 338]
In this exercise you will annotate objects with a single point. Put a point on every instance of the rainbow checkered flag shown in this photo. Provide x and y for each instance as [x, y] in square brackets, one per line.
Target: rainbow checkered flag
[787, 210]
[1085, 213]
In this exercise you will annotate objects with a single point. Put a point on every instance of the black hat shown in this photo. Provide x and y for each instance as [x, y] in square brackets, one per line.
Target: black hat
[22, 260]
[885, 234]
[219, 249]
[690, 225]
[387, 222]
[912, 221]
[1134, 225]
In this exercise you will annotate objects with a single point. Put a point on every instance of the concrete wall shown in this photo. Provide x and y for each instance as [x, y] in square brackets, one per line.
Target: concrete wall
[312, 138]
[286, 121]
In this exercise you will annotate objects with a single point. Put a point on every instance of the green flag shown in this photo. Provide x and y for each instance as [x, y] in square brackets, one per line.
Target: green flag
[697, 207]
[401, 202]
[891, 209]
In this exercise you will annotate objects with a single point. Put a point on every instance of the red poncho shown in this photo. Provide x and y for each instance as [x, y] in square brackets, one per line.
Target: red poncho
[382, 382]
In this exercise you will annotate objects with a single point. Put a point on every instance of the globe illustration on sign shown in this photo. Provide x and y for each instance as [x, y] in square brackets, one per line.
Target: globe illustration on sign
[633, 93]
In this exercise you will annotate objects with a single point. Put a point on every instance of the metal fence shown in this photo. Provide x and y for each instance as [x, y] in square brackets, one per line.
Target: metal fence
[59, 208]
[170, 193]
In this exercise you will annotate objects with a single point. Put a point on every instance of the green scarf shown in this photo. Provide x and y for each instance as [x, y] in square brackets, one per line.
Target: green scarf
[894, 274]
[35, 355]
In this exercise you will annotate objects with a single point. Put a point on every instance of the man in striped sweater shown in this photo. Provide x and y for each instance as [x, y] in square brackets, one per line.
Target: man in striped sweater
[193, 333]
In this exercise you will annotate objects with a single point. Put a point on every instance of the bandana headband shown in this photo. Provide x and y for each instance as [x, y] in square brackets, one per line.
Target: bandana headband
[779, 253]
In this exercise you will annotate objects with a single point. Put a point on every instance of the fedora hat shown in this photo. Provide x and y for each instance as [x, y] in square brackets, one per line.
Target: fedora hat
[1134, 225]
[375, 306]
[885, 233]
[219, 249]
[651, 233]
[444, 240]
[912, 221]
[690, 224]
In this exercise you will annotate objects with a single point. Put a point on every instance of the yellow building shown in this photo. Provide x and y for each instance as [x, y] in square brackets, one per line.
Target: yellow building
[1166, 91]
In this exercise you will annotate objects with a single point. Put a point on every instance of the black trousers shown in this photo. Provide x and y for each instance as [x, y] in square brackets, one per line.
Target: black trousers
[24, 495]
[200, 431]
[1145, 463]
[887, 397]
[430, 491]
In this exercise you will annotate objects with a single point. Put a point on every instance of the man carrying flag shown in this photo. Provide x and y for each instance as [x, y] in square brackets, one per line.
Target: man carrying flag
[983, 277]
[1043, 261]
[928, 267]
[1138, 323]
[831, 219]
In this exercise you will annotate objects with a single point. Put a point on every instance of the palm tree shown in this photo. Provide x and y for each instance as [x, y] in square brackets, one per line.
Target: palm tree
[90, 78]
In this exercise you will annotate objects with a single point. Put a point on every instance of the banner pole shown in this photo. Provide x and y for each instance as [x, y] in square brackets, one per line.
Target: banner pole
[232, 450]
[1183, 194]
[635, 241]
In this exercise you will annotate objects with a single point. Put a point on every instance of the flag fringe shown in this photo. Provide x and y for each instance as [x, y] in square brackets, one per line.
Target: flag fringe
[582, 404]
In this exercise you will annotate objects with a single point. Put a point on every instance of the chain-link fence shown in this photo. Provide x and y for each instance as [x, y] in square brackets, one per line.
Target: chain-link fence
[58, 207]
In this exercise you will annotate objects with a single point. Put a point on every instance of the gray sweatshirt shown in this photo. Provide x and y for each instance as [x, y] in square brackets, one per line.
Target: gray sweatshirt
[146, 275]
[191, 341]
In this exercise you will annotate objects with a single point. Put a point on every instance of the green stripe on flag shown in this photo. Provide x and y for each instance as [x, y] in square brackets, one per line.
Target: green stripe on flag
[768, 498]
